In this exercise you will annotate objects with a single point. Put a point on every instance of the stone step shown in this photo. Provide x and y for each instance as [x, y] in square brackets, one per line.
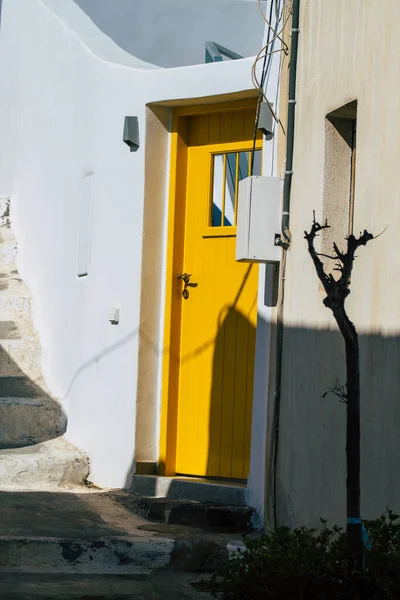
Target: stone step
[87, 532]
[16, 318]
[7, 235]
[190, 488]
[112, 555]
[20, 357]
[28, 421]
[10, 271]
[15, 307]
[54, 463]
[18, 327]
[20, 386]
[167, 584]
[12, 284]
[8, 254]
[204, 515]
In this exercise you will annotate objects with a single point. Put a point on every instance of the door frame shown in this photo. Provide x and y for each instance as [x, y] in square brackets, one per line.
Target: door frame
[174, 257]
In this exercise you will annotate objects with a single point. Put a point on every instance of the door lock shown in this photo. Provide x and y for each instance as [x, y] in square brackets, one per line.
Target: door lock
[185, 277]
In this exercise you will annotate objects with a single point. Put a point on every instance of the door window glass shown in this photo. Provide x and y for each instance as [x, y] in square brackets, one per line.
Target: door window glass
[228, 169]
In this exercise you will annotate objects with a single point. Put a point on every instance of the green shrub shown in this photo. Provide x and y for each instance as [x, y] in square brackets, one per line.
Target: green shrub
[311, 564]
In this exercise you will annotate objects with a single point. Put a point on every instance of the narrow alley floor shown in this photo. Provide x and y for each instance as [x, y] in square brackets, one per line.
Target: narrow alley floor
[87, 544]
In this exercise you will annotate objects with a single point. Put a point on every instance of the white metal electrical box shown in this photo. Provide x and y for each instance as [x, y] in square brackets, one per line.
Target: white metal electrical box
[259, 219]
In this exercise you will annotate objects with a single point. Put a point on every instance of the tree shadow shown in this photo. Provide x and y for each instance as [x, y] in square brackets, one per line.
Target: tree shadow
[310, 474]
[231, 397]
[28, 413]
[229, 416]
[216, 377]
[311, 465]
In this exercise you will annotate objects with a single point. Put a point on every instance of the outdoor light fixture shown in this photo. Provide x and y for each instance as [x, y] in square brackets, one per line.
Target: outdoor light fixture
[266, 121]
[131, 133]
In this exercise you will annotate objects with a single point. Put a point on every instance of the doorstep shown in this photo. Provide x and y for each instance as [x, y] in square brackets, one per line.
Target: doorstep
[207, 516]
[92, 533]
[190, 488]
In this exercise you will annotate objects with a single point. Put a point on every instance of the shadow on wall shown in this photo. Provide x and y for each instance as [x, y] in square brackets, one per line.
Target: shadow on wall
[101, 355]
[28, 414]
[229, 403]
[214, 375]
[231, 397]
[311, 457]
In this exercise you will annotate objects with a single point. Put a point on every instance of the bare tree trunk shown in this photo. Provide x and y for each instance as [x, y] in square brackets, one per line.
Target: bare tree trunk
[337, 290]
[353, 454]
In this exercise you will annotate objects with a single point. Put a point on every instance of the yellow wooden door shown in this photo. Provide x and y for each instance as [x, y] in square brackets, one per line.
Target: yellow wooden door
[218, 319]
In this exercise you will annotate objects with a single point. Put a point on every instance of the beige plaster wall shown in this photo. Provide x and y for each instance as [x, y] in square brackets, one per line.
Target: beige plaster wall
[348, 50]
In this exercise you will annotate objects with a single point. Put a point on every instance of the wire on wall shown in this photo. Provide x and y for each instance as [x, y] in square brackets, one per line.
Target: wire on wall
[264, 51]
[274, 33]
[278, 18]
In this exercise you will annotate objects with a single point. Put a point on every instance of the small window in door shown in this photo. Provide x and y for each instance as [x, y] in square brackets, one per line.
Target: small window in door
[228, 169]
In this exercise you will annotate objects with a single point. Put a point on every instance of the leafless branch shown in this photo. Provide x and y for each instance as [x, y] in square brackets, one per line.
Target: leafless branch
[338, 390]
[336, 290]
[310, 237]
[381, 233]
[326, 256]
[339, 254]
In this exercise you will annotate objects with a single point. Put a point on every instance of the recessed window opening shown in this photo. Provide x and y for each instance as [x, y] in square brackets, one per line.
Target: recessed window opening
[339, 175]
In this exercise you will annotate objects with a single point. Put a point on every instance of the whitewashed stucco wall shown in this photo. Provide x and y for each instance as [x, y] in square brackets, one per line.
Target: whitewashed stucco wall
[64, 91]
[258, 483]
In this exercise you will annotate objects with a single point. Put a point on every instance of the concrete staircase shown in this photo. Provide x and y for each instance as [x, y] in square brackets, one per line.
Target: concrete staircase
[33, 453]
[60, 538]
[87, 545]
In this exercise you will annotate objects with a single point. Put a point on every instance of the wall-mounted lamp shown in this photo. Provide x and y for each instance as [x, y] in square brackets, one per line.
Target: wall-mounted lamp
[266, 121]
[131, 133]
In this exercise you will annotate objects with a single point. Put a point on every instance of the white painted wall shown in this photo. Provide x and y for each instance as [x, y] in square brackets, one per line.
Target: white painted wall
[64, 91]
[267, 287]
[172, 33]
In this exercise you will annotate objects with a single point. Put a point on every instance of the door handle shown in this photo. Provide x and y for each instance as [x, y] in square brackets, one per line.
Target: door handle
[185, 277]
